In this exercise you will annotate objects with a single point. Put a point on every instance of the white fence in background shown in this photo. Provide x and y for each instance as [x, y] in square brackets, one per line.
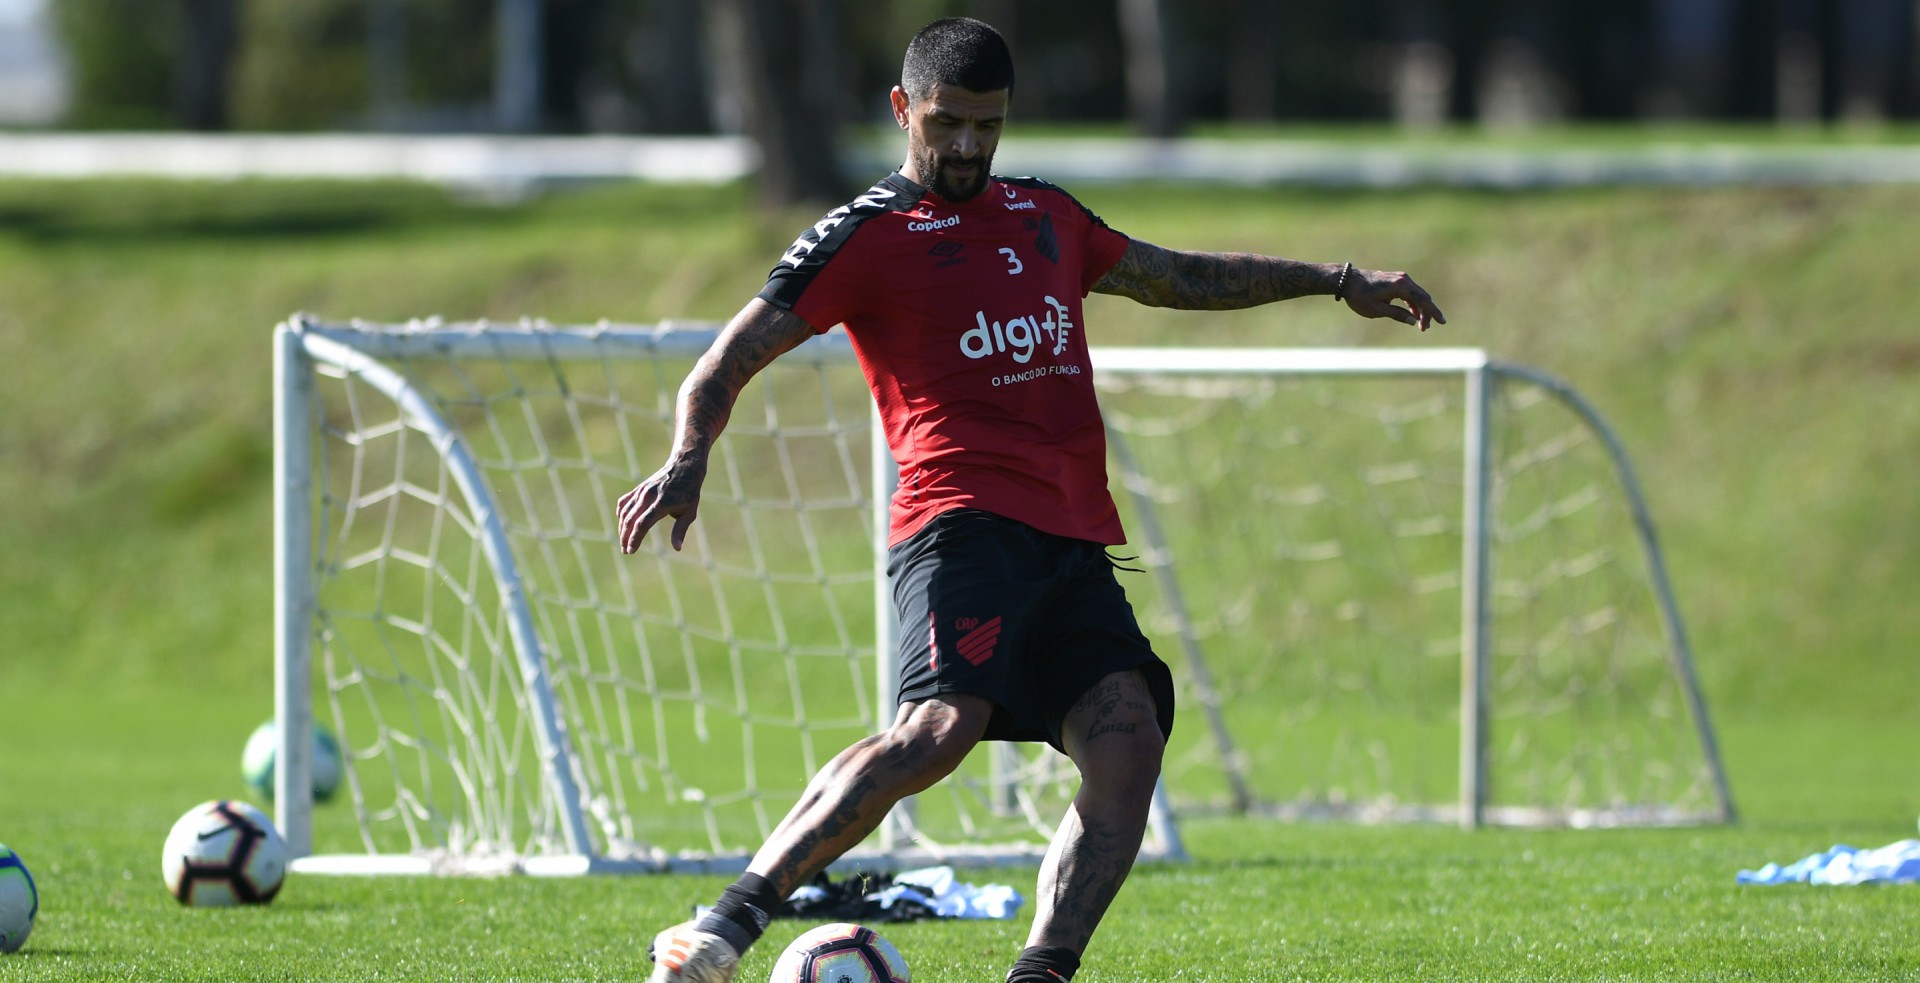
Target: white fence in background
[485, 161]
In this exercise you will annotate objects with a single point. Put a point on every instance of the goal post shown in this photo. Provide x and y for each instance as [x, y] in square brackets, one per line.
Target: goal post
[1483, 490]
[511, 693]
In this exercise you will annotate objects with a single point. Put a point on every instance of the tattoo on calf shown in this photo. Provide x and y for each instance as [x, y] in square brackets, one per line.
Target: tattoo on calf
[847, 812]
[1091, 868]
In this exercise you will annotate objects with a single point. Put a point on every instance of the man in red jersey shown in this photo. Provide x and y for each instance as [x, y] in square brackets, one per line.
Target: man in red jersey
[961, 292]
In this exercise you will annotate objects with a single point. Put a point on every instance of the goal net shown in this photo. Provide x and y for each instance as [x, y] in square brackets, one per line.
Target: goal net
[1392, 585]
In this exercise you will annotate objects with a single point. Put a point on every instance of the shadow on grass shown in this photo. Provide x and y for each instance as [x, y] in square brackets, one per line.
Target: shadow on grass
[144, 212]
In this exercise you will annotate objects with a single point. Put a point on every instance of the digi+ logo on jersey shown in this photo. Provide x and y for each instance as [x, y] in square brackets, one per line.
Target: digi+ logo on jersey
[1019, 336]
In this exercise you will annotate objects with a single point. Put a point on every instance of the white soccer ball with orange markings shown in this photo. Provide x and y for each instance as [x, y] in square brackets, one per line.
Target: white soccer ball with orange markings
[840, 953]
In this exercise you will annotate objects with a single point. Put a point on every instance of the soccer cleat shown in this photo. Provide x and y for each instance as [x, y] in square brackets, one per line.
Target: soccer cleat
[685, 954]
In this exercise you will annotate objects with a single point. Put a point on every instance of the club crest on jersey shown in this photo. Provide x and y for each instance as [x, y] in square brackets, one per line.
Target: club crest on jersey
[1019, 336]
[1046, 241]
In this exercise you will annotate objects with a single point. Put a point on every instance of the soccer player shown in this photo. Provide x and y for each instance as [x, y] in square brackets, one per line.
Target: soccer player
[961, 292]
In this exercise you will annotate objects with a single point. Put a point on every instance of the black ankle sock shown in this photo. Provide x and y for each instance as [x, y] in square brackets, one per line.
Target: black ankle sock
[1044, 964]
[742, 913]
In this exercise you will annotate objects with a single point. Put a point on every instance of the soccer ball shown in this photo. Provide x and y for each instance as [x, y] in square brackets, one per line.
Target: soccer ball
[840, 953]
[256, 762]
[224, 853]
[19, 901]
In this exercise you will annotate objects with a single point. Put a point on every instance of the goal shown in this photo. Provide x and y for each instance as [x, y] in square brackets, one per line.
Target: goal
[1393, 585]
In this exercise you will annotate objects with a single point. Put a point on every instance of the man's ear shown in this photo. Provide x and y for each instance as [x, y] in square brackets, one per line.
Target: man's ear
[900, 103]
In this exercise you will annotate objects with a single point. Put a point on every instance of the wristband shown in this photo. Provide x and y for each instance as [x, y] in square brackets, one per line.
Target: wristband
[1340, 285]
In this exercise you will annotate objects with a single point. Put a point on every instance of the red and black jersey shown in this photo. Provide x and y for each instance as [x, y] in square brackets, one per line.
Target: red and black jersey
[966, 318]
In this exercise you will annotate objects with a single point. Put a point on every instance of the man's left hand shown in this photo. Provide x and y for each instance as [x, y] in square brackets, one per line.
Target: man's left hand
[1371, 293]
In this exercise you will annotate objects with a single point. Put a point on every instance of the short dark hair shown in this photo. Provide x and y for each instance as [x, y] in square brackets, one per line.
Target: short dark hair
[957, 51]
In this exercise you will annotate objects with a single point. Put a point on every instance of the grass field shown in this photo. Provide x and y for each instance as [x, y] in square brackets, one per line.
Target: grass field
[1746, 342]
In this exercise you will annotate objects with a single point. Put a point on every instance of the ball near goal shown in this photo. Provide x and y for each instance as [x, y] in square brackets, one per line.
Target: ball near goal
[841, 952]
[262, 750]
[223, 853]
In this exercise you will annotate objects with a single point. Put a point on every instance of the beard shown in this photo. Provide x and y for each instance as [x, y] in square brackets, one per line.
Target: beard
[948, 185]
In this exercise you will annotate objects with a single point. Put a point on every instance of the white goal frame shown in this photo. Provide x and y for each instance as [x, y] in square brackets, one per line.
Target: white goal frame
[362, 349]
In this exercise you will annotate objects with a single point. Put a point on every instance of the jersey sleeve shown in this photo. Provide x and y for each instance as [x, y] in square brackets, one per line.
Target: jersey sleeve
[823, 290]
[821, 277]
[1100, 245]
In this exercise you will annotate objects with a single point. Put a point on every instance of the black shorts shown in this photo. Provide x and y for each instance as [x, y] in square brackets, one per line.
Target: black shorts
[995, 608]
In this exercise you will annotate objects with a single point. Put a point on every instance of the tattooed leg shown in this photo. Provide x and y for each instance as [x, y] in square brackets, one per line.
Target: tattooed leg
[848, 798]
[1113, 737]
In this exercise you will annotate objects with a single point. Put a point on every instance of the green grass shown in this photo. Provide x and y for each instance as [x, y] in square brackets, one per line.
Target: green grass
[1748, 343]
[1259, 903]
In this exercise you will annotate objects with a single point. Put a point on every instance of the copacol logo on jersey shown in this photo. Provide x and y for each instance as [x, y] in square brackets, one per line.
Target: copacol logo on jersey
[1020, 336]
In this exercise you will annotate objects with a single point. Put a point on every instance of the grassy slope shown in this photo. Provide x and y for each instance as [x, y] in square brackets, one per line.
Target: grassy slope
[1745, 342]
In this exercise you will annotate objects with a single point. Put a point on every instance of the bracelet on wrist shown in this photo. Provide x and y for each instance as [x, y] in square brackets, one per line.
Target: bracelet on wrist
[1340, 285]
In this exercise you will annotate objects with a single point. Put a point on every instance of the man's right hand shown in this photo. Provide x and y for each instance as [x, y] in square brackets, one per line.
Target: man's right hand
[674, 490]
[755, 337]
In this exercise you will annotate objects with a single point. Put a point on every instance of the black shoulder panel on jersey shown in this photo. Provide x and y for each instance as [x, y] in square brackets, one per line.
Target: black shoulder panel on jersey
[1036, 184]
[802, 261]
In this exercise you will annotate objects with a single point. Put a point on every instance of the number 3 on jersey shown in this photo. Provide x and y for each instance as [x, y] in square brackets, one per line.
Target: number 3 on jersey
[1014, 266]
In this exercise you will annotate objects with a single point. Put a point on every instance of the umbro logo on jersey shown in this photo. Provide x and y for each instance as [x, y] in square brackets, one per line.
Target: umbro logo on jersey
[947, 252]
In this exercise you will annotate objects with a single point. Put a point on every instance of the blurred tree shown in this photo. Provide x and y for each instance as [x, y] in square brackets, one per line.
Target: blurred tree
[1691, 42]
[1419, 75]
[450, 62]
[1874, 50]
[302, 65]
[1153, 79]
[1253, 60]
[1803, 70]
[577, 45]
[661, 60]
[387, 63]
[121, 55]
[1753, 53]
[1072, 60]
[209, 33]
[789, 72]
[519, 57]
[419, 65]
[1605, 51]
[1904, 72]
[783, 57]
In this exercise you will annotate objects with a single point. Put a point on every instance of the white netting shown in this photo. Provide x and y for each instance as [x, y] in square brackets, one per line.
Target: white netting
[699, 690]
[1313, 526]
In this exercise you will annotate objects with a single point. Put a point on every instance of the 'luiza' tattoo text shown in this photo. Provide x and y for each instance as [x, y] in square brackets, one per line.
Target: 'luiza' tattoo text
[1105, 700]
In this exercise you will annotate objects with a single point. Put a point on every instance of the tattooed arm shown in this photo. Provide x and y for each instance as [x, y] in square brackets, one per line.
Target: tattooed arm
[1197, 281]
[755, 337]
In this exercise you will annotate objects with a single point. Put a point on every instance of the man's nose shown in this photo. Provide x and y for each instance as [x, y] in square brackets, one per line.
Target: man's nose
[965, 143]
